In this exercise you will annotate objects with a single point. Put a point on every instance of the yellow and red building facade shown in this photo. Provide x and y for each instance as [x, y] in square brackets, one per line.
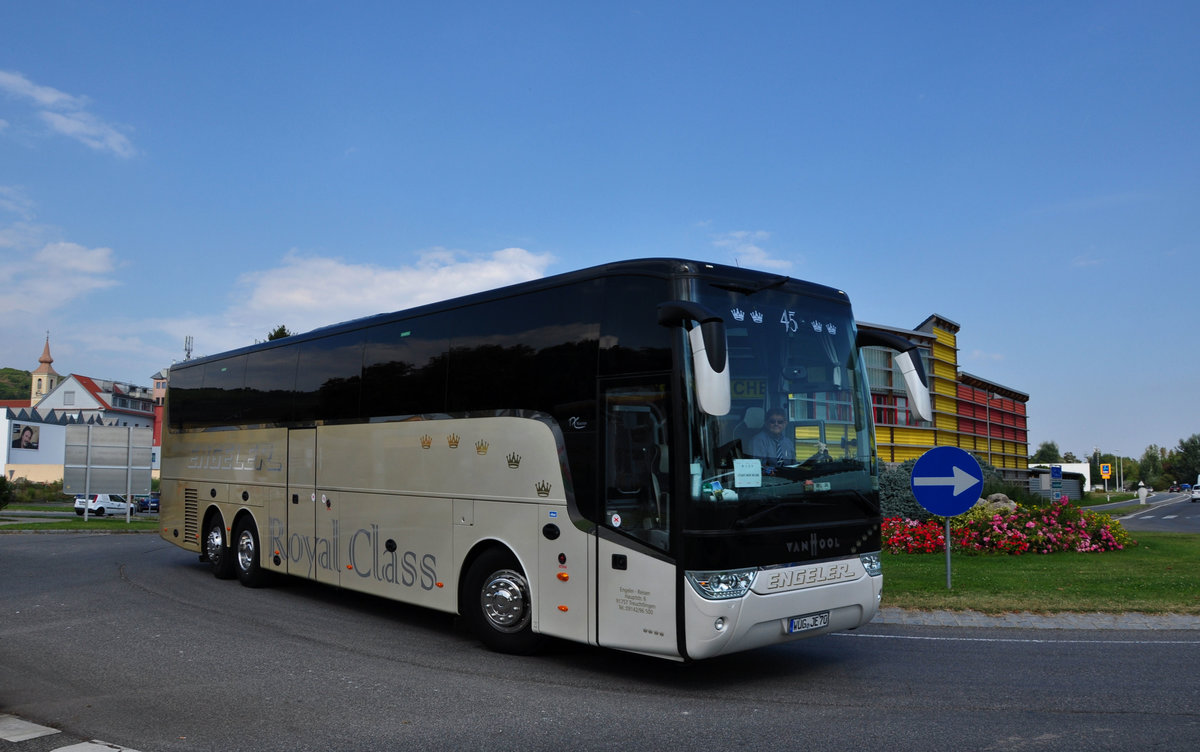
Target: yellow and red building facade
[970, 412]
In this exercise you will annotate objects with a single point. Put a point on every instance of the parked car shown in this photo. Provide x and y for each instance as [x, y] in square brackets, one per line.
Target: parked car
[148, 503]
[100, 504]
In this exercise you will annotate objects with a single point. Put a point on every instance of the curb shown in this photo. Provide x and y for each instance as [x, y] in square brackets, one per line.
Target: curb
[1028, 620]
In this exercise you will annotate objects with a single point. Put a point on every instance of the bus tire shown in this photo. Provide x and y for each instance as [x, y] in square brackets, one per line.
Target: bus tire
[245, 554]
[497, 604]
[219, 555]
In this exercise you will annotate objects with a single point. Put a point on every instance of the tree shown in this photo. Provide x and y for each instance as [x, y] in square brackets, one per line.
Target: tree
[280, 332]
[1047, 452]
[1187, 459]
[1151, 467]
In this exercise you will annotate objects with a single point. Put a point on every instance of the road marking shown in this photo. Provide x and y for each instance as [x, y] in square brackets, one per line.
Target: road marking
[1014, 639]
[14, 729]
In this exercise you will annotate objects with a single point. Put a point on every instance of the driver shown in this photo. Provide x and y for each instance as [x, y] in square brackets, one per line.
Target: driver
[772, 445]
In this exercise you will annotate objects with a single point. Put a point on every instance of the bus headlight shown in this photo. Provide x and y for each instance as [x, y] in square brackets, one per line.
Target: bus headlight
[871, 563]
[733, 583]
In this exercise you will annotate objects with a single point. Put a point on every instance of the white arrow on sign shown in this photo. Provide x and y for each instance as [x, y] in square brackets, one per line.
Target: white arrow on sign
[961, 481]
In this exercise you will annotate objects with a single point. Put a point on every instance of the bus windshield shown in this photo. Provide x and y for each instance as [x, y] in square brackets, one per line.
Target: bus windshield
[797, 447]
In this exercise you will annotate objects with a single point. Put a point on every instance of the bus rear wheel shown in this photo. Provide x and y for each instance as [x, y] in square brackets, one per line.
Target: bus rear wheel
[498, 605]
[220, 558]
[245, 541]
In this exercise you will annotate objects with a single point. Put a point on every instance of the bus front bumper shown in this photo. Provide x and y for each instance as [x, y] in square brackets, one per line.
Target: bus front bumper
[758, 619]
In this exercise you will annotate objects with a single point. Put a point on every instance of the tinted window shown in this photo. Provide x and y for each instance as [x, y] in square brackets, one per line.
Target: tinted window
[183, 394]
[224, 390]
[270, 383]
[632, 340]
[329, 378]
[404, 366]
[531, 352]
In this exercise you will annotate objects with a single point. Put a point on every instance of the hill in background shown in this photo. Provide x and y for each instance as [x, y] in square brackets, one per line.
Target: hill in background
[15, 384]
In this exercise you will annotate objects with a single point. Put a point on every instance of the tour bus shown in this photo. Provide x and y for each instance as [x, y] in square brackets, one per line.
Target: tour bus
[572, 457]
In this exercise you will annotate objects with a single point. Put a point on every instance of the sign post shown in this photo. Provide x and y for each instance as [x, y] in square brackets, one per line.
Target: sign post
[947, 482]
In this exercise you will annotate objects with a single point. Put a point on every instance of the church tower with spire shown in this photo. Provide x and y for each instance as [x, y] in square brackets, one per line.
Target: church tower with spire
[44, 378]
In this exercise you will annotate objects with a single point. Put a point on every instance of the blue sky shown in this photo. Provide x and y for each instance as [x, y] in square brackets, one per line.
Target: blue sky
[1028, 170]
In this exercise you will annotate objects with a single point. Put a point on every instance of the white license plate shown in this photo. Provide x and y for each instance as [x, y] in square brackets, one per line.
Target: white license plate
[807, 622]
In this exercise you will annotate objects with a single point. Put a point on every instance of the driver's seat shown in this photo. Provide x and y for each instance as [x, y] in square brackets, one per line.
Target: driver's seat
[748, 428]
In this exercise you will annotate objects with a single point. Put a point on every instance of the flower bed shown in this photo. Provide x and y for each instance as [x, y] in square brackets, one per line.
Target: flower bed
[1060, 527]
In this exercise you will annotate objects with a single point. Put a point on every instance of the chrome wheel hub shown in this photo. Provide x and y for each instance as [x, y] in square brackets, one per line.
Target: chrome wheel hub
[505, 601]
[213, 543]
[245, 551]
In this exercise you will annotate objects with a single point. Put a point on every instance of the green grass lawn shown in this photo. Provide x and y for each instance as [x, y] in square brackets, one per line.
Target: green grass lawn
[1159, 575]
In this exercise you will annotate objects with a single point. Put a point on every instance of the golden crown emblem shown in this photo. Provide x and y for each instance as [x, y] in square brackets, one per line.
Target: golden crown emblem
[543, 488]
[514, 460]
[426, 441]
[481, 447]
[452, 440]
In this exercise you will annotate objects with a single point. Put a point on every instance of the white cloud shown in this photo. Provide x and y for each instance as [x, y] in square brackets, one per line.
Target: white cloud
[307, 291]
[43, 276]
[90, 131]
[67, 115]
[43, 96]
[14, 201]
[745, 249]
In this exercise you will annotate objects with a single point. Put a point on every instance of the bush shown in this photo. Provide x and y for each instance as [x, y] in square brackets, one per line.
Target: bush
[895, 493]
[22, 491]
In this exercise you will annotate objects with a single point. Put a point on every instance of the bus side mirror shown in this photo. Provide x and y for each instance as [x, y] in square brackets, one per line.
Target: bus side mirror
[710, 354]
[916, 383]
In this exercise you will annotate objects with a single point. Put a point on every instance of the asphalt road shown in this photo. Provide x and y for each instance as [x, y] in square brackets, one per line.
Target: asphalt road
[1163, 513]
[127, 639]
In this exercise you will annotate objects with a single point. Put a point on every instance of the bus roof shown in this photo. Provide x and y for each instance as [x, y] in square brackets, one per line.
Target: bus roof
[752, 279]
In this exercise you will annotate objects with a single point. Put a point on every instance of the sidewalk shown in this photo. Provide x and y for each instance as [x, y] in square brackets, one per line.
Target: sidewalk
[1026, 620]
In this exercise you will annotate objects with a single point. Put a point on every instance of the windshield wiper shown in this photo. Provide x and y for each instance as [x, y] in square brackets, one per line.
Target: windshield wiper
[824, 498]
[760, 514]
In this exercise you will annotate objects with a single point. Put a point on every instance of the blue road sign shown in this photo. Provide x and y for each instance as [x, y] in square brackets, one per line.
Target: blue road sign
[947, 481]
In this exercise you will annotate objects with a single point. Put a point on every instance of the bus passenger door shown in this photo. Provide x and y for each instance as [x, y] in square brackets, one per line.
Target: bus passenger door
[300, 535]
[636, 578]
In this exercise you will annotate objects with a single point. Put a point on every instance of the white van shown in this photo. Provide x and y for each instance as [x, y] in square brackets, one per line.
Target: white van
[100, 504]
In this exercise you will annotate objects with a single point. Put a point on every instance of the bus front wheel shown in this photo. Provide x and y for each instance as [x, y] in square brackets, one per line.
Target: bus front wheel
[245, 560]
[220, 558]
[498, 605]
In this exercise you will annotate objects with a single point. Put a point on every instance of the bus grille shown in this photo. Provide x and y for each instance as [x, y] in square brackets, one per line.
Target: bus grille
[191, 522]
